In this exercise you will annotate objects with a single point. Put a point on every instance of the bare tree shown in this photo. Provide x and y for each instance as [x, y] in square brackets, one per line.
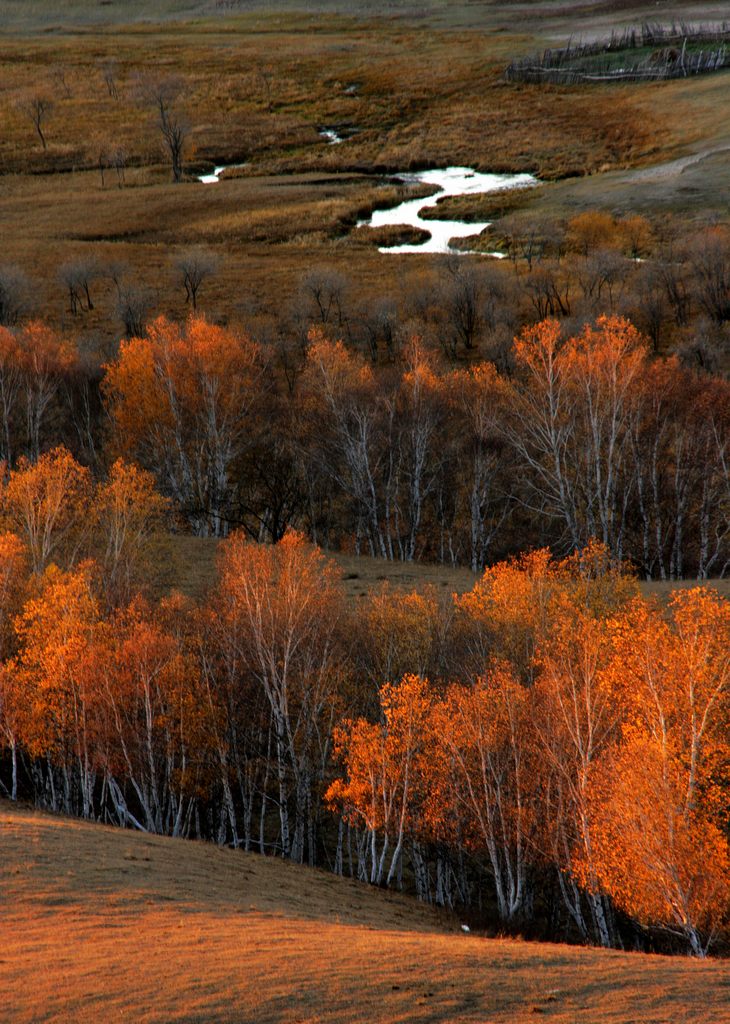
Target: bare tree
[60, 80]
[548, 292]
[652, 306]
[378, 320]
[163, 95]
[37, 108]
[325, 290]
[676, 284]
[462, 301]
[709, 258]
[194, 267]
[531, 239]
[601, 276]
[77, 277]
[133, 308]
[134, 301]
[15, 292]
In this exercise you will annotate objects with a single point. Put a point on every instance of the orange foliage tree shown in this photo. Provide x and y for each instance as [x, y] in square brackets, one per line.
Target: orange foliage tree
[156, 721]
[402, 633]
[482, 793]
[578, 716]
[385, 767]
[47, 503]
[660, 802]
[284, 607]
[56, 631]
[127, 514]
[182, 402]
[570, 423]
[13, 592]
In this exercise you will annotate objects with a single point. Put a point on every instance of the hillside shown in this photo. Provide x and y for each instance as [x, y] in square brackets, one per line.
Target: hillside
[100, 924]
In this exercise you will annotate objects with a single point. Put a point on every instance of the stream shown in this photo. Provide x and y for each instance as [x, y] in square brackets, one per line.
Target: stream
[453, 181]
[330, 135]
[215, 175]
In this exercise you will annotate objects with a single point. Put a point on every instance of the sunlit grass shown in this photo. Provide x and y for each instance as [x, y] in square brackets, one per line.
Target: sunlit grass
[102, 924]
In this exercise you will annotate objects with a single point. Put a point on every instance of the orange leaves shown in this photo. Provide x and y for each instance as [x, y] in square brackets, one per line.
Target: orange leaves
[47, 502]
[478, 392]
[538, 347]
[603, 360]
[283, 608]
[61, 515]
[571, 423]
[131, 386]
[179, 372]
[385, 763]
[13, 586]
[333, 370]
[56, 632]
[661, 863]
[278, 588]
[676, 670]
[13, 592]
[592, 230]
[480, 769]
[45, 352]
[656, 800]
[181, 400]
[401, 633]
[127, 512]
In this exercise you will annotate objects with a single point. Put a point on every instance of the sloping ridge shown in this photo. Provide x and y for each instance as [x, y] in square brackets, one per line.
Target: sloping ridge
[73, 862]
[101, 924]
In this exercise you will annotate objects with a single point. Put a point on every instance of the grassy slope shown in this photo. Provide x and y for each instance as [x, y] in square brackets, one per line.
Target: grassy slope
[100, 924]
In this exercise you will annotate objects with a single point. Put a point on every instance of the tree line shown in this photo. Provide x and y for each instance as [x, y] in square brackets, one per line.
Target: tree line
[590, 435]
[546, 753]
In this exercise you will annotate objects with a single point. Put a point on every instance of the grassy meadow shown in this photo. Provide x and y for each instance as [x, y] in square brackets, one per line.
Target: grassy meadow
[131, 927]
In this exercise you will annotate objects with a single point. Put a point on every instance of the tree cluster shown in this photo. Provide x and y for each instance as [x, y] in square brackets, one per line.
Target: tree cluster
[588, 436]
[548, 752]
[585, 436]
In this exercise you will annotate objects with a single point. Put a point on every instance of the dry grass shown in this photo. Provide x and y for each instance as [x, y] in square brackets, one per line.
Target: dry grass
[487, 207]
[100, 924]
[192, 570]
[418, 92]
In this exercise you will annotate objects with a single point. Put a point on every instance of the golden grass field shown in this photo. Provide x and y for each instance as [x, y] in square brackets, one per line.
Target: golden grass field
[103, 925]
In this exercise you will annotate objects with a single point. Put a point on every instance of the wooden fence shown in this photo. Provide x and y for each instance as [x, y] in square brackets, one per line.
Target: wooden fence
[677, 51]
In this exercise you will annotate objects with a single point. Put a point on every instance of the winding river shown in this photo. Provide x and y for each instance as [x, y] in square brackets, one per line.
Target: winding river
[453, 181]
